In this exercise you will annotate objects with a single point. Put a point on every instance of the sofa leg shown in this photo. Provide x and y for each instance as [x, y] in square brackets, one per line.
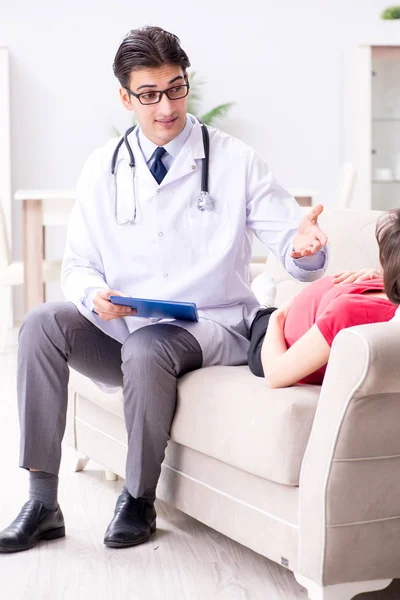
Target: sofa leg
[81, 460]
[110, 476]
[340, 591]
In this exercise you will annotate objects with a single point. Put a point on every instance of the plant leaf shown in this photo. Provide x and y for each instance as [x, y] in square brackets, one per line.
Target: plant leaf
[192, 106]
[195, 94]
[392, 12]
[115, 132]
[219, 111]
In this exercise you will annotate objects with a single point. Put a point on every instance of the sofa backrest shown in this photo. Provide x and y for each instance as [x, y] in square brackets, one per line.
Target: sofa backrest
[352, 245]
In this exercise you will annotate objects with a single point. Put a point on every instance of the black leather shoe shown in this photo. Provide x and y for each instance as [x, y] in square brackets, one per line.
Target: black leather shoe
[133, 523]
[34, 523]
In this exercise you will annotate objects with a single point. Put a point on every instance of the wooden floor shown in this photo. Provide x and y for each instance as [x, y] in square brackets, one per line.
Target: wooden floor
[184, 560]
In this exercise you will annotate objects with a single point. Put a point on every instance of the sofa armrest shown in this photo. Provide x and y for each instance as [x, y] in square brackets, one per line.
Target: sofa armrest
[349, 524]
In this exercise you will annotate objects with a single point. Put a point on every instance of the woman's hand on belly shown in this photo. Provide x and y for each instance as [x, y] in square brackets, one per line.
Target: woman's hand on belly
[356, 276]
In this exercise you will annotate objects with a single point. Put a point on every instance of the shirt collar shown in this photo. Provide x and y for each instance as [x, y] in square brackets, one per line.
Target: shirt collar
[173, 147]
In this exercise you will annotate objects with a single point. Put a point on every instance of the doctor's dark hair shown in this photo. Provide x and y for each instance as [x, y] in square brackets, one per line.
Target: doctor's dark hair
[148, 47]
[388, 238]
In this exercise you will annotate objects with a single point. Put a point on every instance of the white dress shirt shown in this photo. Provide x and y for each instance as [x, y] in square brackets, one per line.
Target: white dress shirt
[172, 148]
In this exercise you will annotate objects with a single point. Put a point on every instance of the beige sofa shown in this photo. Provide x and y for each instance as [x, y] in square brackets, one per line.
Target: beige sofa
[306, 476]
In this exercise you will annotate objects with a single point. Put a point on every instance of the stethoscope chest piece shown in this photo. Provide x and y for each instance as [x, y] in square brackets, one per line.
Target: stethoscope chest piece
[205, 202]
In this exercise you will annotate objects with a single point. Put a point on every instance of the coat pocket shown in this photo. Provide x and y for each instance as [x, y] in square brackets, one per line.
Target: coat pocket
[210, 230]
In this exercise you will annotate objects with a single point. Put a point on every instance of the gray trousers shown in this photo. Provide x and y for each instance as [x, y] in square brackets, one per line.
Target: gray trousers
[55, 335]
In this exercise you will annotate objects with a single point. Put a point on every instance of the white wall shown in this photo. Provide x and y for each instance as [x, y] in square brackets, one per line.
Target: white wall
[280, 61]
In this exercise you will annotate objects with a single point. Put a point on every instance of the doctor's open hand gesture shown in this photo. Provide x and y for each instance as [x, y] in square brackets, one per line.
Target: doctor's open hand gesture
[309, 238]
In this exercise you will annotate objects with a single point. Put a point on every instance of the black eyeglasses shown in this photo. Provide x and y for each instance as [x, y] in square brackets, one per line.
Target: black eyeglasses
[153, 97]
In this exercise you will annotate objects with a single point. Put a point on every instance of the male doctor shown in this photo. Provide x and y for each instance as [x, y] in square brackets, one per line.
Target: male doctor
[149, 238]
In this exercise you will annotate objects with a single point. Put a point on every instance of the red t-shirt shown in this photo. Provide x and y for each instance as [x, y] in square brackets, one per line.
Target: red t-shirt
[333, 308]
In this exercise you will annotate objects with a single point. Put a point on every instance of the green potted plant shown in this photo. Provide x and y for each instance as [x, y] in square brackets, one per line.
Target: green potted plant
[391, 13]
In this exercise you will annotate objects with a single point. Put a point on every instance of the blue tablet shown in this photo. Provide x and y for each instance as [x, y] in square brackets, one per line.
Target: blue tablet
[159, 309]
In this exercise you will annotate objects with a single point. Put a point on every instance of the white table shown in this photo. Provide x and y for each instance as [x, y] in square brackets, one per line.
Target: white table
[45, 208]
[41, 208]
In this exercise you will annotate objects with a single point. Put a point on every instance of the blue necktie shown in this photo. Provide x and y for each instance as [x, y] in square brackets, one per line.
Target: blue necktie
[158, 169]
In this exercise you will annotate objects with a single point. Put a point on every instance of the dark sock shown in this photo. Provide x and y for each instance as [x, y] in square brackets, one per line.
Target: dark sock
[43, 487]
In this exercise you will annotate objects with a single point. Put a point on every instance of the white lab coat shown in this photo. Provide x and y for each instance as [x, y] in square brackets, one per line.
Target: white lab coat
[174, 251]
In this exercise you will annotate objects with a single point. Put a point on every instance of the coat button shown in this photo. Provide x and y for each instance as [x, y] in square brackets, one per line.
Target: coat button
[160, 233]
[166, 275]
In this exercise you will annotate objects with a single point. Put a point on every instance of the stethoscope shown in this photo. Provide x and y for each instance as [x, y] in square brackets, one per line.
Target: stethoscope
[204, 203]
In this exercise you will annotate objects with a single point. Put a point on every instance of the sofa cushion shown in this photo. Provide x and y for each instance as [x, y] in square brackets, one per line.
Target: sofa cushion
[229, 414]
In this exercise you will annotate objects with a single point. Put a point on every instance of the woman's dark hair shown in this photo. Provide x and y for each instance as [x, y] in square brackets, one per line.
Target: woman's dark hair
[148, 47]
[388, 238]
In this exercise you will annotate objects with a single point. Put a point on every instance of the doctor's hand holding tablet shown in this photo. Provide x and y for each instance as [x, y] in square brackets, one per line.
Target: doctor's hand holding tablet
[106, 309]
[110, 304]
